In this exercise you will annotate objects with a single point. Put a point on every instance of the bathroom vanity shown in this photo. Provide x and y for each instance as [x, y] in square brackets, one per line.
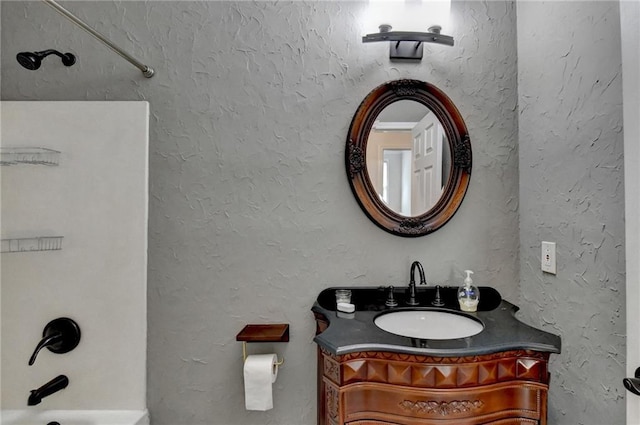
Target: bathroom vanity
[370, 376]
[412, 357]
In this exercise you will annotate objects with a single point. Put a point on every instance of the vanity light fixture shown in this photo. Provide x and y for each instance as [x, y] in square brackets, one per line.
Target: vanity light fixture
[408, 44]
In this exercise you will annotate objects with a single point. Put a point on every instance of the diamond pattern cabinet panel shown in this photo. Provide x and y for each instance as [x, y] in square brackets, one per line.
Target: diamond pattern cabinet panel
[377, 371]
[446, 376]
[399, 374]
[423, 376]
[467, 376]
[506, 369]
[487, 373]
[355, 371]
[530, 369]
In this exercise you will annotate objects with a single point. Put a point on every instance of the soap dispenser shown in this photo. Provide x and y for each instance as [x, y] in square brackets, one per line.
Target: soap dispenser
[468, 295]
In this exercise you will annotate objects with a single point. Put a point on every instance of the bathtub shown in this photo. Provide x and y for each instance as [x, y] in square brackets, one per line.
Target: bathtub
[75, 417]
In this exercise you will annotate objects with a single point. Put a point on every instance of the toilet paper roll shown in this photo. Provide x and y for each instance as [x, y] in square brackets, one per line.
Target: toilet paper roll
[260, 372]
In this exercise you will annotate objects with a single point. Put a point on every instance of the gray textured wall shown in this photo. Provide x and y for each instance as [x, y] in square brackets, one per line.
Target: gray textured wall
[250, 211]
[572, 192]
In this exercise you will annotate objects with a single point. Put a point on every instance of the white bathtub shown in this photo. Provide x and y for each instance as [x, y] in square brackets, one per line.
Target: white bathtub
[75, 417]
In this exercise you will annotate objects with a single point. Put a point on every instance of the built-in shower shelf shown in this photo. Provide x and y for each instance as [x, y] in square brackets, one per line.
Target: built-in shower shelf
[28, 155]
[40, 243]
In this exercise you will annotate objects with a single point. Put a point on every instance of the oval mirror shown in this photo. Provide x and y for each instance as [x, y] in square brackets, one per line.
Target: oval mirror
[408, 157]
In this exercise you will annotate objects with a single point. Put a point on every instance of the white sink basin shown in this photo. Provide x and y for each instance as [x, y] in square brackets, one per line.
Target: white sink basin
[427, 324]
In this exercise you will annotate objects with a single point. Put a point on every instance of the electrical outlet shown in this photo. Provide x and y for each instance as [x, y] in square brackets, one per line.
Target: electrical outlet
[548, 257]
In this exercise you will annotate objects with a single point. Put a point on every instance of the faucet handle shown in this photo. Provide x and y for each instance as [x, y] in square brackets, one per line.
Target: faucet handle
[59, 336]
[47, 341]
[437, 301]
[391, 302]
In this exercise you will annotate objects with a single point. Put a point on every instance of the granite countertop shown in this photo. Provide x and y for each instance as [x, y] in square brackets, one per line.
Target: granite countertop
[354, 332]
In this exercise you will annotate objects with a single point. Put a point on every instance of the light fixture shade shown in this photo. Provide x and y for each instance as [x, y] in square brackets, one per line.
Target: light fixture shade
[407, 15]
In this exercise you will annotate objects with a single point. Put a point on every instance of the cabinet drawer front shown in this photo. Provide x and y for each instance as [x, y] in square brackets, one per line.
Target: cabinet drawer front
[510, 421]
[499, 401]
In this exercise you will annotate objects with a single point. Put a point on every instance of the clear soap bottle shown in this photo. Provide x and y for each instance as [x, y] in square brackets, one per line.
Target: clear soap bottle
[468, 294]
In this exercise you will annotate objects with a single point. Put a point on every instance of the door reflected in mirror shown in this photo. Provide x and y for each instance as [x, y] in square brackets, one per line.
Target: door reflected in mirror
[408, 157]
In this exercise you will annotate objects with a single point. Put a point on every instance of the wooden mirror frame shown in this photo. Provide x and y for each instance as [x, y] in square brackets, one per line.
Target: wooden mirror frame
[459, 145]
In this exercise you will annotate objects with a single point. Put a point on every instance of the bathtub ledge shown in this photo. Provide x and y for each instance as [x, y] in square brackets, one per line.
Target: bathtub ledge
[75, 417]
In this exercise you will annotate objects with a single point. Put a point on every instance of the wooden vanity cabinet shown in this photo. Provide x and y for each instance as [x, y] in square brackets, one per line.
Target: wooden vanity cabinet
[374, 388]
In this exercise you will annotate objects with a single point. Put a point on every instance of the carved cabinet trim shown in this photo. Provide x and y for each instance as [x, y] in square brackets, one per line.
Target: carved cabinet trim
[360, 388]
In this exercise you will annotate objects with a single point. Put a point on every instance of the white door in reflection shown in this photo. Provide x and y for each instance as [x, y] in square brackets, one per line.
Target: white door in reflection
[408, 139]
[427, 164]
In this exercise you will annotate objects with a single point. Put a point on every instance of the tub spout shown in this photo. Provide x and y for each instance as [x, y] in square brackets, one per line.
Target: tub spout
[58, 383]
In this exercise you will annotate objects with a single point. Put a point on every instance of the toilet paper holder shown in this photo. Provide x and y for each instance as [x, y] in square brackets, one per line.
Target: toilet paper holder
[263, 333]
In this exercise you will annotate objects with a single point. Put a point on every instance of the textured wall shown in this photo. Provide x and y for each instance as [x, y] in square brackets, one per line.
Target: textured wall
[571, 192]
[250, 211]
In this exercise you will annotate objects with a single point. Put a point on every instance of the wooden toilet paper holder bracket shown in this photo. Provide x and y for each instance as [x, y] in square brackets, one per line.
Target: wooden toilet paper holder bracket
[263, 333]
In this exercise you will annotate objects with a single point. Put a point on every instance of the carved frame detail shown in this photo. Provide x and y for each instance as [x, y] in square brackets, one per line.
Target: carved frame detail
[459, 144]
[333, 404]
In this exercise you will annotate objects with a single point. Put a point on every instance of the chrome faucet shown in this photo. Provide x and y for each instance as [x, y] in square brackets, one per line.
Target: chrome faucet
[58, 383]
[412, 282]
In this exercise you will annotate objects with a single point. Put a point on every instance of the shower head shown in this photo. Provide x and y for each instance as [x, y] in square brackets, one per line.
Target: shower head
[33, 60]
[28, 60]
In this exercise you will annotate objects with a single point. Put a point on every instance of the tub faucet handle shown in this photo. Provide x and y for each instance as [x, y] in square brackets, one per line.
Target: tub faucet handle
[59, 336]
[47, 341]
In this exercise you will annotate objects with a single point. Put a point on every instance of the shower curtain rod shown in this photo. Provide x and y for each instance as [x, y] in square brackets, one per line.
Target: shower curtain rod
[147, 71]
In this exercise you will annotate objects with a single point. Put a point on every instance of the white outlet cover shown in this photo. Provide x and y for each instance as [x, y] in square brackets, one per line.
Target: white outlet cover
[548, 257]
